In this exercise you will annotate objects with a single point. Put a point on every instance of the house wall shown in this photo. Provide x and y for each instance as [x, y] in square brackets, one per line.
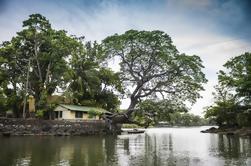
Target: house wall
[68, 115]
[71, 114]
[60, 108]
[85, 117]
[31, 102]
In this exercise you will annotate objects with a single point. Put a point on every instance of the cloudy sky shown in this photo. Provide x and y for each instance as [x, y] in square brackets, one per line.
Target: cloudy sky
[215, 30]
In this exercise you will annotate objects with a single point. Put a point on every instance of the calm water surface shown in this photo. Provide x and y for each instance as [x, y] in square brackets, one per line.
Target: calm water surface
[156, 147]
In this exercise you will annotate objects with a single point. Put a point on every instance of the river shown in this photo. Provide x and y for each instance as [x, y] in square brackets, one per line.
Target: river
[156, 147]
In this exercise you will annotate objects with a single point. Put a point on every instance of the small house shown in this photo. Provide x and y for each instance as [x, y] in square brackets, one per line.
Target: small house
[76, 112]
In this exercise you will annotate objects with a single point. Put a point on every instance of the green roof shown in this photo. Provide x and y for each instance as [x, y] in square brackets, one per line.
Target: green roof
[83, 108]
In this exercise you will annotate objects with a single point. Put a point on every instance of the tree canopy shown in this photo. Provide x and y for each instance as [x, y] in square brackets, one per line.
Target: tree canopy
[58, 62]
[238, 75]
[151, 67]
[232, 97]
[89, 82]
[45, 61]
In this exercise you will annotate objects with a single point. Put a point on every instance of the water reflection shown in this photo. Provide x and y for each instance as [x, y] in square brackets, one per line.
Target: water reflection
[171, 146]
[234, 150]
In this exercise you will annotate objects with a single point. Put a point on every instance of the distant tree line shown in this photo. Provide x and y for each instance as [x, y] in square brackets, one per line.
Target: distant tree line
[166, 113]
[186, 119]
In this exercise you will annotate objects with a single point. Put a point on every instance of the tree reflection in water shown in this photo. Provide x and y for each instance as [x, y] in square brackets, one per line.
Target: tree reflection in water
[233, 149]
[157, 147]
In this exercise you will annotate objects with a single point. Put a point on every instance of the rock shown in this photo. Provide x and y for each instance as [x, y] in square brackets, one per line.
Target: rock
[10, 127]
[46, 128]
[210, 130]
[7, 134]
[230, 133]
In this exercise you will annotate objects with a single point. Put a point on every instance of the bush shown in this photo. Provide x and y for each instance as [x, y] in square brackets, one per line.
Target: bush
[244, 119]
[39, 113]
[130, 126]
[93, 113]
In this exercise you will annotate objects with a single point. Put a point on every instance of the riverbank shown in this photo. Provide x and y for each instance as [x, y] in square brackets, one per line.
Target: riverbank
[30, 127]
[244, 131]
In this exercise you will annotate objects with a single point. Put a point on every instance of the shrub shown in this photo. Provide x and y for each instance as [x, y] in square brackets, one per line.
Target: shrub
[40, 113]
[93, 113]
[244, 119]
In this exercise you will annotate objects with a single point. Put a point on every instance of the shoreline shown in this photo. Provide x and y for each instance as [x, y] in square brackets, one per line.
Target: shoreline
[244, 131]
[38, 127]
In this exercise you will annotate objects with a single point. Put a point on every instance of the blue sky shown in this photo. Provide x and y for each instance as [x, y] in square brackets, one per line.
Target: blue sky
[215, 30]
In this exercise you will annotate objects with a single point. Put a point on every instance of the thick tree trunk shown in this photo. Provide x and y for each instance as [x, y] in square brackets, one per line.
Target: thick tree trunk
[131, 107]
[120, 118]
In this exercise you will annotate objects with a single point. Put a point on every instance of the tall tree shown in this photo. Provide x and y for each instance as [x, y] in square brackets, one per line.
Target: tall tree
[46, 49]
[151, 67]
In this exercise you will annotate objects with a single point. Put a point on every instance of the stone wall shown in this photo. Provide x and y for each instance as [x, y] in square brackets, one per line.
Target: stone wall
[18, 127]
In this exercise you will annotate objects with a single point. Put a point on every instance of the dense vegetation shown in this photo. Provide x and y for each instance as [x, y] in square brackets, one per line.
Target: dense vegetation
[152, 68]
[232, 107]
[41, 61]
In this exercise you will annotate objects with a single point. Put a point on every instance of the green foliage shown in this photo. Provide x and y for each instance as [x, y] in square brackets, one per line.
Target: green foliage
[58, 61]
[130, 126]
[158, 110]
[169, 112]
[238, 76]
[3, 102]
[93, 113]
[40, 113]
[46, 48]
[90, 83]
[244, 119]
[152, 67]
[225, 108]
[186, 119]
[232, 97]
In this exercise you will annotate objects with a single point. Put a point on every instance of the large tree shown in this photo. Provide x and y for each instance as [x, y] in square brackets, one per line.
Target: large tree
[46, 50]
[152, 67]
[51, 60]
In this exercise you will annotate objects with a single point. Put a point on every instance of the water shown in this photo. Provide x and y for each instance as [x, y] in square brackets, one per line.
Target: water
[156, 147]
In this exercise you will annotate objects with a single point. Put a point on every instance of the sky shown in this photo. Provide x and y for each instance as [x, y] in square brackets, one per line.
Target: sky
[215, 30]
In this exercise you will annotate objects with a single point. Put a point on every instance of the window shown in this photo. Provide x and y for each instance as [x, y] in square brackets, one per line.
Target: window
[58, 114]
[78, 114]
